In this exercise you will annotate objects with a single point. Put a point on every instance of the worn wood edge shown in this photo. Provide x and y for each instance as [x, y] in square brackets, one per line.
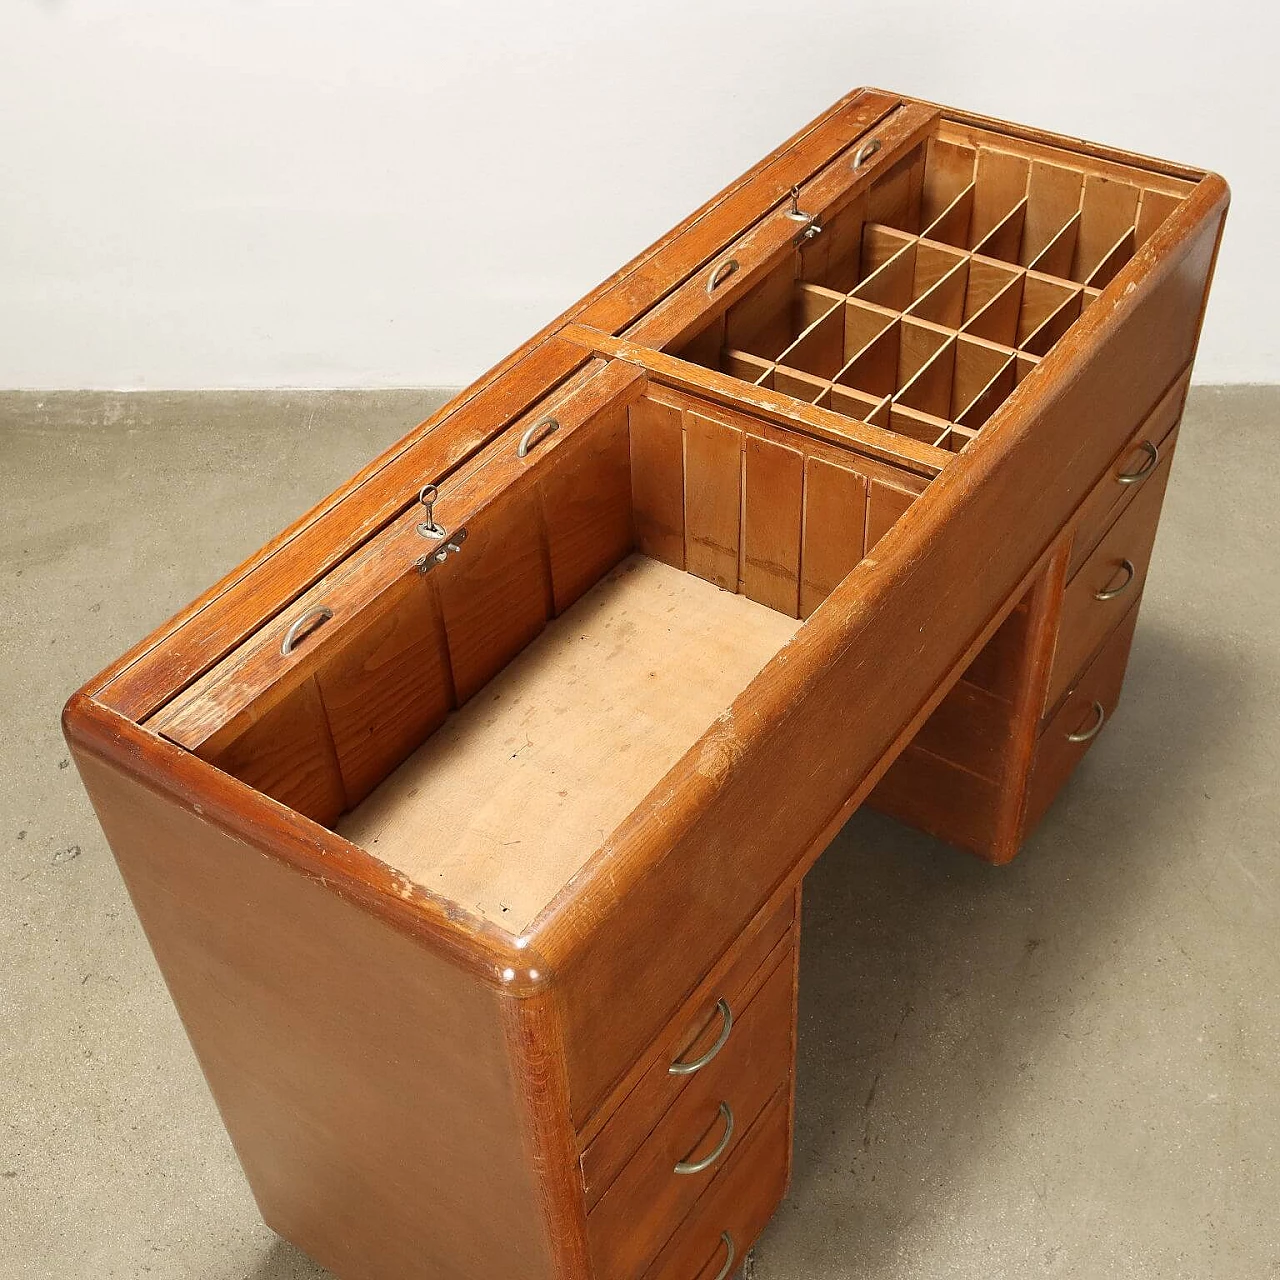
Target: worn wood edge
[564, 927]
[533, 1034]
[466, 401]
[483, 949]
[1067, 141]
[877, 443]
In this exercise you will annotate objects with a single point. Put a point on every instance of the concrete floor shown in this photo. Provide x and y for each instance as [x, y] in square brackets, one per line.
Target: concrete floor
[1067, 1067]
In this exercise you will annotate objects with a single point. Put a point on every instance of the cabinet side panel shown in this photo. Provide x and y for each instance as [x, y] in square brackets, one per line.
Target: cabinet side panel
[365, 1081]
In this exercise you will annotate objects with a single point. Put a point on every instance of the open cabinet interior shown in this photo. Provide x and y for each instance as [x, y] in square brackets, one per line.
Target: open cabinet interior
[493, 713]
[921, 305]
[493, 710]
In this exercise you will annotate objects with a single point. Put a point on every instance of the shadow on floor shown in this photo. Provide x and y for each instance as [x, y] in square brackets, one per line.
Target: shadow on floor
[932, 984]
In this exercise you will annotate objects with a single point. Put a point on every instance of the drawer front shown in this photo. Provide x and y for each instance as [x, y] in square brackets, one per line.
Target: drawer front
[1107, 584]
[713, 1240]
[697, 1136]
[706, 1028]
[1134, 466]
[1081, 718]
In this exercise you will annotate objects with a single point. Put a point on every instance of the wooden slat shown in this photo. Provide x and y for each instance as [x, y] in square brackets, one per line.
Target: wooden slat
[772, 497]
[657, 480]
[712, 499]
[496, 597]
[835, 517]
[287, 754]
[885, 507]
[586, 507]
[387, 687]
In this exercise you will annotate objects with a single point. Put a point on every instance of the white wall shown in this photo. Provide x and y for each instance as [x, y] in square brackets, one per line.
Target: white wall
[398, 192]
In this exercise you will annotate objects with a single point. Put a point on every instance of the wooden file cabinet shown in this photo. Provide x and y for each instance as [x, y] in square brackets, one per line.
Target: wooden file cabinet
[467, 819]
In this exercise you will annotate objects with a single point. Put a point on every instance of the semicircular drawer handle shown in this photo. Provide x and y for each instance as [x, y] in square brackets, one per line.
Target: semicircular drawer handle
[320, 614]
[1110, 593]
[730, 1253]
[697, 1166]
[1153, 459]
[864, 153]
[1088, 735]
[679, 1068]
[721, 272]
[536, 434]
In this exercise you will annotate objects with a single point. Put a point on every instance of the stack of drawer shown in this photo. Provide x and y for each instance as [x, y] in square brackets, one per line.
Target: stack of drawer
[983, 769]
[671, 1162]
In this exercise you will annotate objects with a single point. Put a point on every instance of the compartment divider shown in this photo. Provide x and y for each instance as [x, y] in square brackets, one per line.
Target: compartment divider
[951, 226]
[932, 297]
[1055, 258]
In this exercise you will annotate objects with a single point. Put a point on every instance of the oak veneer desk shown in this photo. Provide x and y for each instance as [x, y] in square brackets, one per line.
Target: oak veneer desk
[467, 819]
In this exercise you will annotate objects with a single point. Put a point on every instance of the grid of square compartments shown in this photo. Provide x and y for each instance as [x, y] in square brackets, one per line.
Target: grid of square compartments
[973, 263]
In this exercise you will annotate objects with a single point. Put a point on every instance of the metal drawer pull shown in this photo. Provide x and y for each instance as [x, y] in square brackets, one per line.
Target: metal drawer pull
[1153, 460]
[678, 1068]
[527, 441]
[721, 272]
[730, 1253]
[320, 614]
[1088, 735]
[865, 152]
[697, 1166]
[1110, 593]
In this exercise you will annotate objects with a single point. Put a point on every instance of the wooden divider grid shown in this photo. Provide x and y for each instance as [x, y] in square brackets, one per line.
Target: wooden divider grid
[969, 264]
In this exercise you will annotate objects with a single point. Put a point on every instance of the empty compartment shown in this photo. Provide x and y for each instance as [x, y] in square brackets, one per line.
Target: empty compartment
[481, 710]
[503, 803]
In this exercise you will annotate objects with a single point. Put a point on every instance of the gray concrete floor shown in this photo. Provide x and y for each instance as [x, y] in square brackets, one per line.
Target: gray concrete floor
[1066, 1067]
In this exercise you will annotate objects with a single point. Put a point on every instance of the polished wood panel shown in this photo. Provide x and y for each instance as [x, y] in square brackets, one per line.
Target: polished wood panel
[348, 1061]
[1111, 495]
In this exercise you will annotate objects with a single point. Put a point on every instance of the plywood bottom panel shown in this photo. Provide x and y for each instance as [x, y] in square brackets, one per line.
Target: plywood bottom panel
[502, 805]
